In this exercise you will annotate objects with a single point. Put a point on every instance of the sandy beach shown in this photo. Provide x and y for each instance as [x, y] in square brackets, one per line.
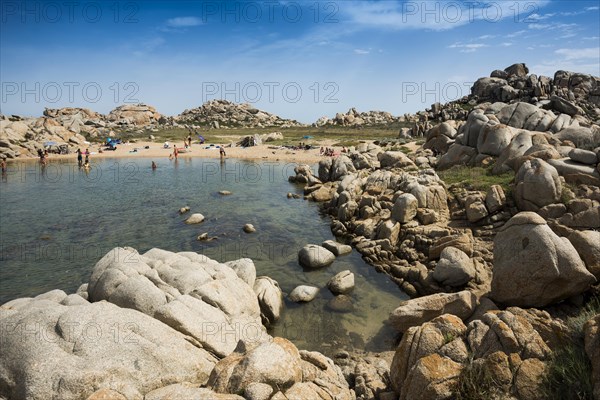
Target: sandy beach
[156, 151]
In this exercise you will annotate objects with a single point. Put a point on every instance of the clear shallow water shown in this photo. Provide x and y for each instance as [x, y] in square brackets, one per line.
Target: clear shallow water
[57, 223]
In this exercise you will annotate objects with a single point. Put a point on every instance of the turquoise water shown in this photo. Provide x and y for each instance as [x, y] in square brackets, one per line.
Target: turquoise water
[55, 224]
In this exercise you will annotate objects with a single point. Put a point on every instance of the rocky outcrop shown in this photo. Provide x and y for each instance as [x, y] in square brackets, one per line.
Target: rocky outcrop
[199, 297]
[428, 360]
[97, 346]
[533, 267]
[353, 118]
[417, 311]
[225, 114]
[278, 365]
[135, 114]
[537, 184]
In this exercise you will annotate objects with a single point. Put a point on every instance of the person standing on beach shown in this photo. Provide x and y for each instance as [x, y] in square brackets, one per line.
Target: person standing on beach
[222, 152]
[175, 151]
[79, 158]
[87, 156]
[189, 139]
[3, 166]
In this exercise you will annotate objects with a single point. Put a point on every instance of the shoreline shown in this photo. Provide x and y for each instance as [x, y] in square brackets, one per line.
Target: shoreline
[155, 150]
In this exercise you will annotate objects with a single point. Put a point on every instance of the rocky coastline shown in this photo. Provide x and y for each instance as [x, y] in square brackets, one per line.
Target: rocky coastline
[492, 228]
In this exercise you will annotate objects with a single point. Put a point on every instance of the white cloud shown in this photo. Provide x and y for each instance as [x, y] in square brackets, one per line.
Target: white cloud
[515, 34]
[592, 8]
[467, 47]
[579, 54]
[591, 37]
[506, 44]
[539, 17]
[183, 22]
[430, 15]
[361, 51]
[484, 37]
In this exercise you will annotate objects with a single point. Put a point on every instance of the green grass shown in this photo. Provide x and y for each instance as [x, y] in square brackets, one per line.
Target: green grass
[569, 372]
[476, 383]
[476, 178]
[342, 136]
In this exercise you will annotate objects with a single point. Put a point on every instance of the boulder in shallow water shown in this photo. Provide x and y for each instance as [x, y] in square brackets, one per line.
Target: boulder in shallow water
[270, 299]
[341, 283]
[195, 219]
[303, 293]
[314, 256]
[336, 248]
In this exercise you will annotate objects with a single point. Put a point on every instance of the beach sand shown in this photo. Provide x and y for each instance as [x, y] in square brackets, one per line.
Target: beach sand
[156, 152]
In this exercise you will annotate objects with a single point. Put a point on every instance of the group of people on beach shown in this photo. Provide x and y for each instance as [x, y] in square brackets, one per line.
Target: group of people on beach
[187, 142]
[80, 162]
[327, 151]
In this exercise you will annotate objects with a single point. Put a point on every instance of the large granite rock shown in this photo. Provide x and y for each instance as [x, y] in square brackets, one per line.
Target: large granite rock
[278, 363]
[415, 312]
[270, 299]
[191, 293]
[587, 244]
[427, 360]
[455, 268]
[533, 267]
[50, 350]
[314, 256]
[537, 185]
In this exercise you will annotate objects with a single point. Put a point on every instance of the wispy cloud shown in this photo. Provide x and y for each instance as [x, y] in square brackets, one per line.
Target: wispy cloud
[428, 15]
[361, 51]
[149, 45]
[506, 44]
[515, 34]
[579, 54]
[467, 47]
[594, 8]
[539, 17]
[183, 22]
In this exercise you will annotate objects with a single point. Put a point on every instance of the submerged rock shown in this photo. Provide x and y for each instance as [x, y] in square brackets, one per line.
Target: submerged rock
[303, 293]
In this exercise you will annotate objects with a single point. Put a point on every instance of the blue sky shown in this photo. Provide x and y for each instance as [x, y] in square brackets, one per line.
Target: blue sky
[298, 59]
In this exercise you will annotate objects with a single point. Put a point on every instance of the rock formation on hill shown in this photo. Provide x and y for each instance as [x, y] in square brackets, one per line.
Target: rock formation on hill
[225, 114]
